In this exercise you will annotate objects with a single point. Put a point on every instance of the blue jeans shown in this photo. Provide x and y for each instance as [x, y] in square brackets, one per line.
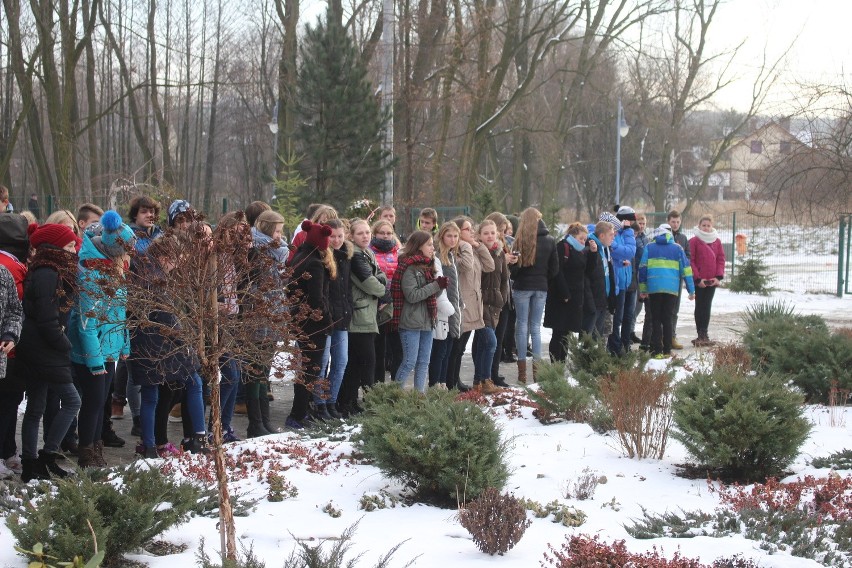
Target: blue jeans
[336, 349]
[149, 396]
[231, 378]
[439, 360]
[195, 402]
[36, 402]
[529, 310]
[622, 321]
[484, 345]
[416, 350]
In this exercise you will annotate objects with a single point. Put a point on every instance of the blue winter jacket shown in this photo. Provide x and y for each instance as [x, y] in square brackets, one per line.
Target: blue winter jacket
[97, 322]
[662, 267]
[623, 248]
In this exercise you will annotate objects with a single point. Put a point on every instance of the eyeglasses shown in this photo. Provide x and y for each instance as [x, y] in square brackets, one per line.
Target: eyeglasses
[384, 234]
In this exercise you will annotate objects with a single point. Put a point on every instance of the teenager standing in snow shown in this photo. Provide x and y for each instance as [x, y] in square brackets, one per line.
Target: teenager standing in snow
[708, 269]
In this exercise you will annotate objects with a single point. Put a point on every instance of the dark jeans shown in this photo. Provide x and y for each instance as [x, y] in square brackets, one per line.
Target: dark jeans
[37, 387]
[360, 369]
[557, 349]
[454, 366]
[51, 408]
[311, 372]
[484, 347]
[676, 308]
[228, 387]
[509, 333]
[500, 334]
[440, 360]
[94, 391]
[703, 304]
[9, 403]
[622, 322]
[388, 353]
[662, 306]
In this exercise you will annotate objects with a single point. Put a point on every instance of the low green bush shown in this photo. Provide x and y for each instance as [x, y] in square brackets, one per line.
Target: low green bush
[588, 361]
[445, 450]
[746, 427]
[837, 460]
[121, 514]
[557, 399]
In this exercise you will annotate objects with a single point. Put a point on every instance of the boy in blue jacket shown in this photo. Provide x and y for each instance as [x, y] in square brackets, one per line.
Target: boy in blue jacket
[663, 266]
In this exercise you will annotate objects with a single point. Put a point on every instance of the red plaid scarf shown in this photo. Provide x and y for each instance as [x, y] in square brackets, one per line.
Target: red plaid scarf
[396, 288]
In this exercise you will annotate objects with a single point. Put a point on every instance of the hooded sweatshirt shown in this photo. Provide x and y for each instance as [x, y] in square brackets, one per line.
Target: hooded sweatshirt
[663, 265]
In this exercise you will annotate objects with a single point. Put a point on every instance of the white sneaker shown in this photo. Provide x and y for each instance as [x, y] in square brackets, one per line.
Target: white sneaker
[5, 472]
[14, 463]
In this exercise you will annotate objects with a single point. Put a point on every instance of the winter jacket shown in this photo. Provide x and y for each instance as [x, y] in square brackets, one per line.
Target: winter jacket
[681, 239]
[11, 314]
[545, 267]
[446, 308]
[566, 295]
[663, 266]
[16, 268]
[157, 356]
[707, 260]
[368, 284]
[470, 264]
[623, 249]
[600, 277]
[495, 288]
[417, 288]
[267, 277]
[310, 281]
[450, 270]
[340, 289]
[641, 243]
[144, 237]
[387, 255]
[97, 324]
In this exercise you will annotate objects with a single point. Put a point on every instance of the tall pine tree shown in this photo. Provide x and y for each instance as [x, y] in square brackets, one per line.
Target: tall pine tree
[341, 123]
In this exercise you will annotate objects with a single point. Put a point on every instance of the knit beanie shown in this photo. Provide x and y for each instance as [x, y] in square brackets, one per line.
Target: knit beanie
[317, 234]
[117, 238]
[52, 234]
[611, 219]
[626, 213]
[178, 207]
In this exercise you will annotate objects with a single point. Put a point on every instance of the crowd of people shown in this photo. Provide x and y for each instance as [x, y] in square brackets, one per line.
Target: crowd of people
[385, 307]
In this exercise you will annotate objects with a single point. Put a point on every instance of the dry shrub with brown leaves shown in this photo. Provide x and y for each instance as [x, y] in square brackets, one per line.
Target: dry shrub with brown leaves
[732, 357]
[640, 403]
[496, 522]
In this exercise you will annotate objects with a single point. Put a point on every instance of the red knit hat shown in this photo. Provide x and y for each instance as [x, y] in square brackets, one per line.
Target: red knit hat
[317, 234]
[52, 234]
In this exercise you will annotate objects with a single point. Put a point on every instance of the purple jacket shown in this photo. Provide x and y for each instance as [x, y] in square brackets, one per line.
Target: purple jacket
[708, 261]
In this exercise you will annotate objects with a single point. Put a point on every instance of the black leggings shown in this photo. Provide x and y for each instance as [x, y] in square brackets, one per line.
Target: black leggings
[662, 325]
[311, 350]
[360, 369]
[94, 391]
[454, 368]
[169, 395]
[388, 353]
[703, 304]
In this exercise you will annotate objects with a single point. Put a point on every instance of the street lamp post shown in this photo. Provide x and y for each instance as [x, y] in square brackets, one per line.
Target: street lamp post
[621, 130]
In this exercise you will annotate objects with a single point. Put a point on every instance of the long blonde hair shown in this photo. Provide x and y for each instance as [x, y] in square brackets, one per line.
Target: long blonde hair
[527, 238]
[443, 250]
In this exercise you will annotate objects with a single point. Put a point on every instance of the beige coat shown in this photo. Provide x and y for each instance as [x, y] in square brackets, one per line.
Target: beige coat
[471, 263]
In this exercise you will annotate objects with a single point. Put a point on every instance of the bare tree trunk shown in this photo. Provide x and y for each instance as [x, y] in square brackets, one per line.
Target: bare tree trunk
[288, 13]
[162, 124]
[92, 106]
[211, 130]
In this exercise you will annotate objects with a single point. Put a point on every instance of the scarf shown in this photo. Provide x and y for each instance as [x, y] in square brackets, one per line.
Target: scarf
[64, 263]
[278, 251]
[382, 245]
[575, 244]
[398, 297]
[708, 238]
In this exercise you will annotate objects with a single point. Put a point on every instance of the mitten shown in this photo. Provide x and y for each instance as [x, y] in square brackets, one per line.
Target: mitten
[442, 281]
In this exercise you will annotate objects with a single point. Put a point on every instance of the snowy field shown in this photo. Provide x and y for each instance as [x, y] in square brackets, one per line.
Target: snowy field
[543, 461]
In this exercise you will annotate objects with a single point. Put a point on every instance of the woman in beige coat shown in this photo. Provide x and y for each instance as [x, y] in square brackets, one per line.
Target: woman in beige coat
[473, 259]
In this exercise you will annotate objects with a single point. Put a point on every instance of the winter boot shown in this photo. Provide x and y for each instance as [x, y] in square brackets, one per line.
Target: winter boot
[488, 387]
[86, 456]
[110, 439]
[136, 430]
[331, 408]
[48, 459]
[100, 460]
[320, 412]
[522, 372]
[265, 416]
[196, 445]
[33, 469]
[500, 381]
[534, 369]
[255, 426]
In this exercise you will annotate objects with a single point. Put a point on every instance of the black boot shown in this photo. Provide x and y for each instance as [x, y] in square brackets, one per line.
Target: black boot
[500, 381]
[265, 416]
[331, 408]
[86, 456]
[48, 459]
[137, 427]
[196, 445]
[320, 412]
[255, 426]
[33, 469]
[111, 439]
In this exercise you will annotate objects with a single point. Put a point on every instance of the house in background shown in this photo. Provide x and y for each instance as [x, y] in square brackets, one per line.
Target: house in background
[743, 167]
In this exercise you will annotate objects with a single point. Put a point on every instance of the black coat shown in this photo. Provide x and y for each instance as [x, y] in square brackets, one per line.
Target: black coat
[537, 276]
[566, 295]
[310, 283]
[596, 281]
[340, 289]
[43, 340]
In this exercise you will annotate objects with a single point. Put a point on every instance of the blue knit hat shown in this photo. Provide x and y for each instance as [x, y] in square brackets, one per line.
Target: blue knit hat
[178, 207]
[116, 237]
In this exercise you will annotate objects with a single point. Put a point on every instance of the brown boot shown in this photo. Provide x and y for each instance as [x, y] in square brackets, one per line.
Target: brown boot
[477, 388]
[86, 456]
[534, 369]
[522, 372]
[488, 387]
[100, 461]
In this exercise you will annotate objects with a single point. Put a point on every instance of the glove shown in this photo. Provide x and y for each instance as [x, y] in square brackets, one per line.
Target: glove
[442, 282]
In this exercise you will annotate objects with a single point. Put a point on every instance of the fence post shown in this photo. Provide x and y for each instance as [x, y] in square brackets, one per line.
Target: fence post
[841, 253]
[224, 205]
[733, 243]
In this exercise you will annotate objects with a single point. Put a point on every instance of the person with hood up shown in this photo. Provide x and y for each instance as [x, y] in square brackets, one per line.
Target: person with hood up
[663, 266]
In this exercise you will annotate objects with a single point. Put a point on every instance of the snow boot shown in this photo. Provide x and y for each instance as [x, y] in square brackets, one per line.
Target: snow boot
[33, 468]
[255, 425]
[522, 372]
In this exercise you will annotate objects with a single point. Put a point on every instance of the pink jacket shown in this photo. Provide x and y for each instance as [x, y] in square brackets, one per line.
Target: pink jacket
[708, 261]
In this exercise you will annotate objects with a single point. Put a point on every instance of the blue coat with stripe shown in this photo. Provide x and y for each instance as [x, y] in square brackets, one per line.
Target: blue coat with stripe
[663, 265]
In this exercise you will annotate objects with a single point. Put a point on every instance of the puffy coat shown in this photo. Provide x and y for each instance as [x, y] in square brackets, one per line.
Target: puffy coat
[368, 284]
[450, 270]
[11, 313]
[446, 308]
[599, 277]
[386, 256]
[537, 276]
[144, 236]
[267, 276]
[663, 266]
[707, 260]
[470, 264]
[623, 249]
[311, 279]
[340, 289]
[566, 296]
[495, 288]
[416, 289]
[97, 324]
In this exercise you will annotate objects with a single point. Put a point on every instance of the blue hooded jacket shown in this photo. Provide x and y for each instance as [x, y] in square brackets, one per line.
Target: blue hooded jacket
[623, 248]
[663, 265]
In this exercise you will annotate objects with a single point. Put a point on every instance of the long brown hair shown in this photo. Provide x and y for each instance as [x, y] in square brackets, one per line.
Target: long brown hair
[527, 237]
[412, 246]
[443, 250]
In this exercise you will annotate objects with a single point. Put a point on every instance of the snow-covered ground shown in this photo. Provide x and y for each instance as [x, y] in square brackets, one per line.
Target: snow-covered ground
[543, 461]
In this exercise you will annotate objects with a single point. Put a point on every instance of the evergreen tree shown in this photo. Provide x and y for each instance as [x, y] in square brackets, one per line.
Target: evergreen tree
[341, 123]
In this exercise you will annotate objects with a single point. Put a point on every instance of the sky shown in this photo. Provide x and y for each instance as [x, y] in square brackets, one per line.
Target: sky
[815, 31]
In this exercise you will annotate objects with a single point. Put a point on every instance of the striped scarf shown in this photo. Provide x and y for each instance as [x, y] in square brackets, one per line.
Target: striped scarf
[396, 288]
